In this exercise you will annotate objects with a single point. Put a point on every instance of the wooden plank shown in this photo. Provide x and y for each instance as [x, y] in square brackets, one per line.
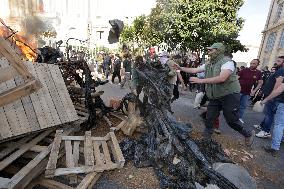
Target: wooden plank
[118, 116]
[39, 103]
[14, 59]
[82, 138]
[89, 181]
[106, 153]
[29, 108]
[52, 162]
[25, 90]
[76, 152]
[119, 126]
[83, 169]
[70, 160]
[53, 92]
[52, 184]
[97, 153]
[4, 182]
[38, 148]
[7, 161]
[12, 94]
[12, 146]
[49, 96]
[88, 149]
[117, 150]
[9, 111]
[69, 155]
[5, 130]
[7, 74]
[63, 92]
[36, 166]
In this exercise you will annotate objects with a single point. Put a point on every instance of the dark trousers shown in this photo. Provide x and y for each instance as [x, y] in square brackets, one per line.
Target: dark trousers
[229, 104]
[116, 73]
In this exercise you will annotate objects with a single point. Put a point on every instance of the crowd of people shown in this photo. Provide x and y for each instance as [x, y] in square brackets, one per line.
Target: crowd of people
[219, 85]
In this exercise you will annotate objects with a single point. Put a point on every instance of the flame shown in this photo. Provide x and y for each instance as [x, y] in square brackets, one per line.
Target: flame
[25, 44]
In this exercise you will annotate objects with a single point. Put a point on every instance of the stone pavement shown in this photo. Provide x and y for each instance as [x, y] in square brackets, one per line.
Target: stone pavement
[183, 110]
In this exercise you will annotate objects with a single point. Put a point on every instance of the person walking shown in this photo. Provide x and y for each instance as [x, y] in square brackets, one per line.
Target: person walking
[127, 69]
[279, 119]
[223, 90]
[116, 69]
[270, 107]
[247, 78]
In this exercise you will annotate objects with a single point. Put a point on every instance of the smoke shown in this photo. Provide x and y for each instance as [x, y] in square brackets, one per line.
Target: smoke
[27, 17]
[34, 25]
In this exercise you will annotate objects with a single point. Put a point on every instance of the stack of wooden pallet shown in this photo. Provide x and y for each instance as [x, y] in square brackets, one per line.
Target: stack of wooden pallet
[26, 106]
[24, 159]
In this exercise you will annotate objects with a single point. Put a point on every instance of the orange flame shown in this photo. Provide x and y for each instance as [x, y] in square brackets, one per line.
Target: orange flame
[25, 44]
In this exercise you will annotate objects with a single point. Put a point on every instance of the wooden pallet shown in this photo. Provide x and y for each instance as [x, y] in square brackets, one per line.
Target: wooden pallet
[84, 182]
[100, 154]
[48, 107]
[26, 158]
[16, 68]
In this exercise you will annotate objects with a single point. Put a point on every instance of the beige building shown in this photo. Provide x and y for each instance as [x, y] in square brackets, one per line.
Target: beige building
[272, 44]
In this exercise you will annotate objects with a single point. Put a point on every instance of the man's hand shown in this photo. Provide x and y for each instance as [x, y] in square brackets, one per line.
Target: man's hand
[176, 66]
[195, 80]
[252, 93]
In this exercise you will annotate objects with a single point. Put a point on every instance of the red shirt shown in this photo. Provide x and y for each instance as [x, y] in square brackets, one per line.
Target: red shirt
[248, 78]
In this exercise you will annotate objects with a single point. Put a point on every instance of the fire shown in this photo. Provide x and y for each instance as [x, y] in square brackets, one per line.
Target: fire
[27, 47]
[25, 44]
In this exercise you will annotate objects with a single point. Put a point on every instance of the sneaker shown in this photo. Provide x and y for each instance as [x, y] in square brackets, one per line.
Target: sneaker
[258, 127]
[217, 131]
[263, 134]
[241, 121]
[249, 140]
[270, 150]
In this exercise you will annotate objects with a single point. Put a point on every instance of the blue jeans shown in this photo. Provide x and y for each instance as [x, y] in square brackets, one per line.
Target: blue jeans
[269, 112]
[243, 104]
[278, 127]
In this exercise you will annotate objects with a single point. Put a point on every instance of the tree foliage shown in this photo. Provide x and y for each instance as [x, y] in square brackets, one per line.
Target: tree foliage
[191, 24]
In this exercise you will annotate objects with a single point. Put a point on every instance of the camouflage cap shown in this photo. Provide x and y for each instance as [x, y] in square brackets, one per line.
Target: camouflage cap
[217, 46]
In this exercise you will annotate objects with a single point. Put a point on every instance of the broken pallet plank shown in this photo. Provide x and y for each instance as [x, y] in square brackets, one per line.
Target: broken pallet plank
[88, 149]
[51, 165]
[7, 161]
[37, 165]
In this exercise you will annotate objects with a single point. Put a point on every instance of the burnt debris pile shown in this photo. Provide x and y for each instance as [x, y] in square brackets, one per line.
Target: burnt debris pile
[178, 160]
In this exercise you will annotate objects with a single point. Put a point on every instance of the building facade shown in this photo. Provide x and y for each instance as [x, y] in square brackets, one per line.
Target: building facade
[272, 44]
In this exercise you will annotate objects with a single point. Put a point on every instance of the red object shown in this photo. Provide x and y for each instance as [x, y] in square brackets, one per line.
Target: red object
[217, 123]
[247, 79]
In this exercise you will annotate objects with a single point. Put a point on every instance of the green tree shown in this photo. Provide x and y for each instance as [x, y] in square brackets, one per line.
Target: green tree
[196, 24]
[191, 24]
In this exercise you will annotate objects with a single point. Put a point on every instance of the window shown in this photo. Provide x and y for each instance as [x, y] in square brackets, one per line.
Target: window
[278, 13]
[270, 42]
[281, 42]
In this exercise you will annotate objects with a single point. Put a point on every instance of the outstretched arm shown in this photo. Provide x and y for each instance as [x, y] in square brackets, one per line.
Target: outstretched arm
[224, 75]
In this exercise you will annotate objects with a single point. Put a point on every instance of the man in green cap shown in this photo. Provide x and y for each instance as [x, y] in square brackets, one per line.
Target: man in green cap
[223, 90]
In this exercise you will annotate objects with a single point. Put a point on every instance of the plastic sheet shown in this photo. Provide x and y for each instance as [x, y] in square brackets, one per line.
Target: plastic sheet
[178, 160]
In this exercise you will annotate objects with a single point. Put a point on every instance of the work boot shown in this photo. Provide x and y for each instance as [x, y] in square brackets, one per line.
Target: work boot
[249, 140]
[270, 150]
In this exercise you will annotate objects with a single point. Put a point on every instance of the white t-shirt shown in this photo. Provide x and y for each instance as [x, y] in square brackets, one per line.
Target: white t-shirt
[227, 66]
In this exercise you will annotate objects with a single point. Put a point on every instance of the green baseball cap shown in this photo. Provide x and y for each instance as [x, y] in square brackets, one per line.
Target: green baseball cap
[217, 46]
